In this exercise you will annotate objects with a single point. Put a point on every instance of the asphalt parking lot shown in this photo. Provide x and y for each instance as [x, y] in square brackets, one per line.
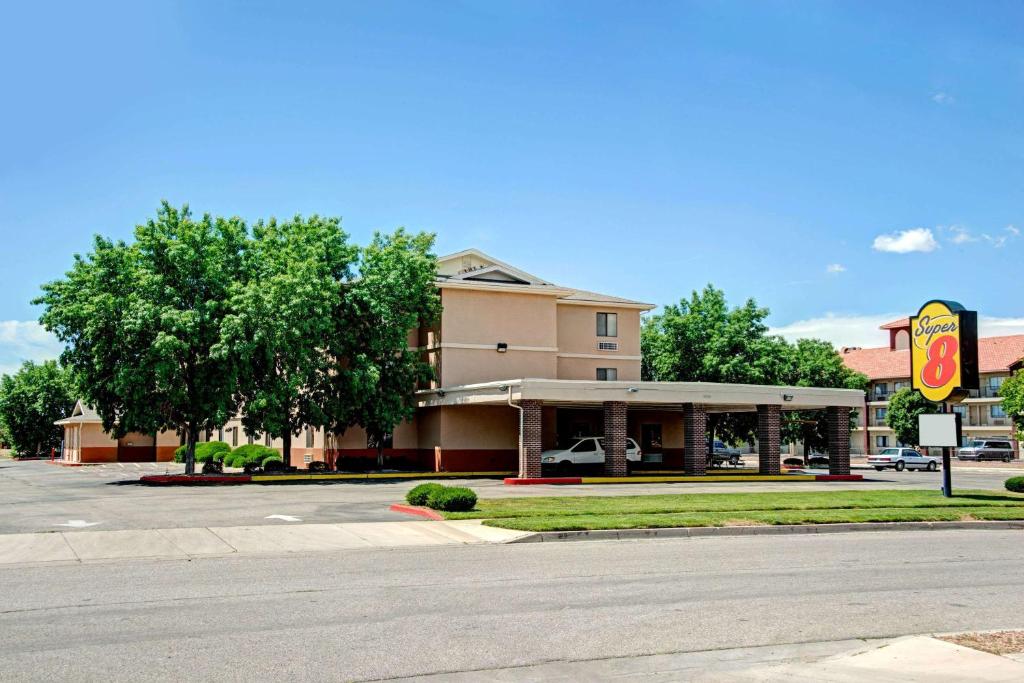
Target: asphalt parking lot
[39, 496]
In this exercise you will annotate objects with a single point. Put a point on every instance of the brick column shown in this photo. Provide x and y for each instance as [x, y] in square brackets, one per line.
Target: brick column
[695, 443]
[615, 438]
[838, 440]
[768, 439]
[529, 453]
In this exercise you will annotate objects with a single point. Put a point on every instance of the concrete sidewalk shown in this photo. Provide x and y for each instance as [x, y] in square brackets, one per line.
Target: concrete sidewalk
[87, 546]
[897, 660]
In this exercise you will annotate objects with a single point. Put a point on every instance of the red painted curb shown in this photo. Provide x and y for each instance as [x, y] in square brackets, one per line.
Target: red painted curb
[416, 511]
[516, 481]
[838, 477]
[164, 479]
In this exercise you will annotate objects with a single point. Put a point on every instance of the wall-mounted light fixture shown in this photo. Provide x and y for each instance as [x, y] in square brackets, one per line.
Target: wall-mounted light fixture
[502, 347]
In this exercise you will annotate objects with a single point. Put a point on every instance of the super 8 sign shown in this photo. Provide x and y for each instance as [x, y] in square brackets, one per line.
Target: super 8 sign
[944, 350]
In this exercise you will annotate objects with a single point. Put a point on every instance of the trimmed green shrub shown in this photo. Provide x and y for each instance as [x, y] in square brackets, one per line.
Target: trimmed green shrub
[250, 454]
[1015, 484]
[452, 499]
[274, 457]
[419, 494]
[205, 451]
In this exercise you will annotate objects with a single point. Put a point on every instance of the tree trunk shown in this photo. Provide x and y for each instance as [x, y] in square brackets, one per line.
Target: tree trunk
[380, 454]
[286, 450]
[191, 436]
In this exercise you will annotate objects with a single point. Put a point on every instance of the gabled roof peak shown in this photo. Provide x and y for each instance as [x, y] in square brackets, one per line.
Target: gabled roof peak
[473, 264]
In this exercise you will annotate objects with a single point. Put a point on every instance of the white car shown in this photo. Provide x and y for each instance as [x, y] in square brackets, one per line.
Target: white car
[586, 451]
[900, 458]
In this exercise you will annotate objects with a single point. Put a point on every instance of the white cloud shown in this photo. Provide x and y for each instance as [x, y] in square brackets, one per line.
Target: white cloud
[999, 240]
[906, 241]
[862, 330]
[943, 98]
[841, 330]
[22, 340]
[961, 235]
[835, 268]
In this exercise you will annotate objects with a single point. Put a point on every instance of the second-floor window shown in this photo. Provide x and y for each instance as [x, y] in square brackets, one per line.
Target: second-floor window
[880, 414]
[881, 389]
[607, 324]
[607, 374]
[995, 382]
[997, 411]
[896, 386]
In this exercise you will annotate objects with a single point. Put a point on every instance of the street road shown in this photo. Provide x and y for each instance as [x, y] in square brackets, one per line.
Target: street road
[374, 614]
[38, 496]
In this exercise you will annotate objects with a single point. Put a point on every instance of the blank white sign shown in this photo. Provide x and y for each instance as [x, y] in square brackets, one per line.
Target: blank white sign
[938, 430]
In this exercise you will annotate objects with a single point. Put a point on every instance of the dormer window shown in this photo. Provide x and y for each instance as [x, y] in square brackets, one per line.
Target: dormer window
[607, 324]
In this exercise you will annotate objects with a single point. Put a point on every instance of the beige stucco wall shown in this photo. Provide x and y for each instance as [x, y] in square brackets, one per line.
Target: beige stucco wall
[577, 329]
[484, 317]
[93, 435]
[479, 427]
[469, 366]
[586, 368]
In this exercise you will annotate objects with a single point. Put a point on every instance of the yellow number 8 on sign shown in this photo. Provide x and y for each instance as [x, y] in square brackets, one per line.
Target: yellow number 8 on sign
[944, 350]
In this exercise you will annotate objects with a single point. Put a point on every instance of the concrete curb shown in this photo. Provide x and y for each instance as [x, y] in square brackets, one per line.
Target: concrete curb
[417, 511]
[776, 530]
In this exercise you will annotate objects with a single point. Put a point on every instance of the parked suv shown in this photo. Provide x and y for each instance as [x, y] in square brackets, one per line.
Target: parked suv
[587, 451]
[900, 458]
[987, 449]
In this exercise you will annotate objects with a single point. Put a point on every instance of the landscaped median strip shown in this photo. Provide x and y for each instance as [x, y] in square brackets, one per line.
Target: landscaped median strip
[585, 513]
[675, 479]
[200, 479]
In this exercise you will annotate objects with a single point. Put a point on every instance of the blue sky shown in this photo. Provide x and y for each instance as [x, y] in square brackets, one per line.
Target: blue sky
[839, 162]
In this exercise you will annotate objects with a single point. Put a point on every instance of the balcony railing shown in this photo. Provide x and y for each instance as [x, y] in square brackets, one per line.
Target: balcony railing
[985, 392]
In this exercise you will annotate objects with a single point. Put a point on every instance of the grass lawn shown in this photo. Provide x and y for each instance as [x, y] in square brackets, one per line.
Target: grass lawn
[571, 513]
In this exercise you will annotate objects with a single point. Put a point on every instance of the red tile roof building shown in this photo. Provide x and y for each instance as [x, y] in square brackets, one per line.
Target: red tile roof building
[888, 368]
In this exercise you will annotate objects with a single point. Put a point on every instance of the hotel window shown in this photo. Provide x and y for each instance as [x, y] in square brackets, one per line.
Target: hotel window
[997, 411]
[220, 434]
[880, 414]
[881, 389]
[234, 437]
[607, 324]
[896, 386]
[881, 441]
[995, 382]
[962, 412]
[607, 374]
[267, 441]
[309, 437]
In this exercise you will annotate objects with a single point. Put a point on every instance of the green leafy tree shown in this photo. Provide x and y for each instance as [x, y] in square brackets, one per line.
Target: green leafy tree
[31, 400]
[1012, 393]
[285, 317]
[378, 373]
[816, 363]
[143, 325]
[901, 416]
[702, 339]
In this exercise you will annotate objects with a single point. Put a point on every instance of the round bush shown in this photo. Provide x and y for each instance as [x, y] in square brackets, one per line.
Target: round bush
[452, 499]
[206, 451]
[250, 454]
[273, 465]
[419, 494]
[1015, 484]
[273, 457]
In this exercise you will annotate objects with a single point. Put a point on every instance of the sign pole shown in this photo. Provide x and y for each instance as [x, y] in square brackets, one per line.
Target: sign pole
[947, 474]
